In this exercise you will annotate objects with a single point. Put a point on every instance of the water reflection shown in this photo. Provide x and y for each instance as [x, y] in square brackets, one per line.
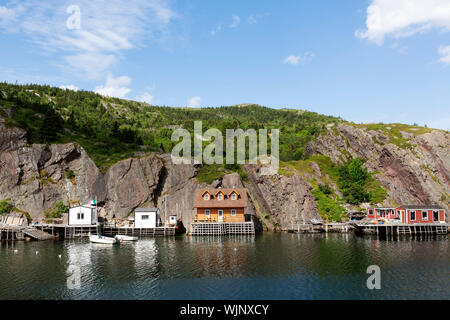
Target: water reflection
[266, 266]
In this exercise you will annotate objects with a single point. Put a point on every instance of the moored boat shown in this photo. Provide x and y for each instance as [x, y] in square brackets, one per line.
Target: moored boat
[103, 239]
[122, 237]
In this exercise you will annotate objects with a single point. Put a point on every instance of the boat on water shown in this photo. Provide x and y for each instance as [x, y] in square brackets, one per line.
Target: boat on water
[122, 237]
[102, 239]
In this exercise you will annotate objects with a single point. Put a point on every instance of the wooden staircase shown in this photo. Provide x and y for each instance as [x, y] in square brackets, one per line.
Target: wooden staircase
[38, 234]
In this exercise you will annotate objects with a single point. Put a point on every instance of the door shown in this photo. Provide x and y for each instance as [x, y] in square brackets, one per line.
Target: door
[435, 216]
[220, 215]
[402, 216]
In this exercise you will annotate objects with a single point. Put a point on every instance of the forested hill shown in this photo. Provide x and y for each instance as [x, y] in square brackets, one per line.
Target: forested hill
[112, 129]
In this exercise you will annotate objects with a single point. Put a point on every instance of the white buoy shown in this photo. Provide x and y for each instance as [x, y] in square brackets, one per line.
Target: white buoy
[59, 256]
[15, 251]
[235, 249]
[37, 252]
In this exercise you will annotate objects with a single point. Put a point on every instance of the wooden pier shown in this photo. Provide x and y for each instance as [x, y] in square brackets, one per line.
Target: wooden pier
[74, 232]
[20, 233]
[389, 230]
[316, 228]
[221, 228]
[139, 232]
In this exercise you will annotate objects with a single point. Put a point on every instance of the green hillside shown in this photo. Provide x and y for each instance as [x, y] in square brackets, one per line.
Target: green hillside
[112, 129]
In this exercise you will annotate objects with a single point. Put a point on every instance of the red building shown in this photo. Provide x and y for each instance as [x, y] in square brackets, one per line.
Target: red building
[378, 213]
[409, 214]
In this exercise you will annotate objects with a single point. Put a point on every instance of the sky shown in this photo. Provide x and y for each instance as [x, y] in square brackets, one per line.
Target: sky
[365, 61]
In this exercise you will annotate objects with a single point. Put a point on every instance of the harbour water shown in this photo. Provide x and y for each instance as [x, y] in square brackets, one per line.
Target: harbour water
[265, 266]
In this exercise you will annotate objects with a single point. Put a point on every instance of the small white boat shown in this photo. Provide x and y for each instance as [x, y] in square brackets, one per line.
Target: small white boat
[103, 239]
[122, 237]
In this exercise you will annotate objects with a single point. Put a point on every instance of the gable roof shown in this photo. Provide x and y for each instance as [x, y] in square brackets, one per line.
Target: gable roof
[240, 202]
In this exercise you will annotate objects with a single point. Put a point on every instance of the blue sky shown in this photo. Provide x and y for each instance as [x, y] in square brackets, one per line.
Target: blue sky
[366, 61]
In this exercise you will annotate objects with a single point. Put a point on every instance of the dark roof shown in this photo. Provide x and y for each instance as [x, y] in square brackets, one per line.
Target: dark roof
[240, 202]
[145, 209]
[431, 206]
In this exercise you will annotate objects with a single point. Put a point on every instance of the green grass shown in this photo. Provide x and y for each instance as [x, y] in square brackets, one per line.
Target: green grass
[393, 132]
[330, 209]
[210, 173]
[330, 206]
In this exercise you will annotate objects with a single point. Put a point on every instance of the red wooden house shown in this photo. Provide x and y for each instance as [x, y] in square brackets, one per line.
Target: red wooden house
[409, 214]
[421, 214]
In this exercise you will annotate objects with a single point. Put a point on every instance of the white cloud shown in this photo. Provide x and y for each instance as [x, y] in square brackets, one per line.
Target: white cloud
[107, 28]
[70, 87]
[145, 97]
[194, 102]
[216, 30]
[251, 19]
[93, 64]
[255, 18]
[8, 15]
[236, 21]
[403, 18]
[444, 52]
[295, 60]
[114, 87]
[292, 59]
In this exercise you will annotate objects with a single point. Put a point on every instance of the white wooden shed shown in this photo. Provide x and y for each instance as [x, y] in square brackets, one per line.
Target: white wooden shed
[85, 215]
[147, 218]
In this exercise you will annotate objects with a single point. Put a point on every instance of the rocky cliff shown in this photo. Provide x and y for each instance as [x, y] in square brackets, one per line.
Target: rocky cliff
[413, 167]
[36, 176]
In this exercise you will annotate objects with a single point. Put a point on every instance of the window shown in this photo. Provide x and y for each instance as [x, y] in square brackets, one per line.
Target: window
[80, 216]
[145, 217]
[398, 212]
[424, 215]
[371, 212]
[435, 215]
[206, 196]
[412, 215]
[233, 196]
[220, 196]
[207, 212]
[233, 212]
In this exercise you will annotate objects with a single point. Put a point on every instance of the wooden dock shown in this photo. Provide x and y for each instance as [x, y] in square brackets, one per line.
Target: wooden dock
[74, 232]
[221, 228]
[326, 228]
[21, 232]
[139, 232]
[389, 230]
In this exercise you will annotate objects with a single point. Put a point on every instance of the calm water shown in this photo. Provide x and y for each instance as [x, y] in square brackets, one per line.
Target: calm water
[268, 266]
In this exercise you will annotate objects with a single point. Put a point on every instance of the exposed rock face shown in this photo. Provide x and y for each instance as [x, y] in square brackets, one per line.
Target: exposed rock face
[133, 183]
[417, 174]
[281, 201]
[34, 177]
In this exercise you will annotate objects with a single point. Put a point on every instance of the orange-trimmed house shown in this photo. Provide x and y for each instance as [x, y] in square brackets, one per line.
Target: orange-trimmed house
[220, 205]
